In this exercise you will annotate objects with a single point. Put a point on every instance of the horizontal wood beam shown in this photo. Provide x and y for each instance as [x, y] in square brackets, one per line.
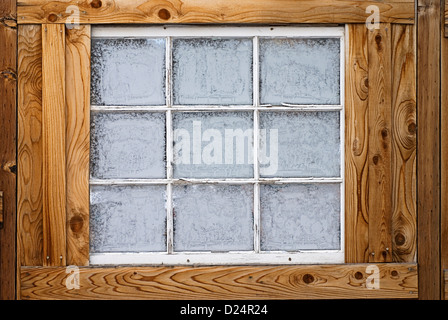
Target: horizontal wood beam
[206, 11]
[343, 281]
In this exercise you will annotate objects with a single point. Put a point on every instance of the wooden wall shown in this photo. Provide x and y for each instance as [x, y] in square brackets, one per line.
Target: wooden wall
[387, 181]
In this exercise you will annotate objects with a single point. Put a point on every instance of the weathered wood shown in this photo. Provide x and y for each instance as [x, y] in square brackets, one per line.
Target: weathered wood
[444, 157]
[220, 11]
[428, 146]
[356, 144]
[78, 144]
[404, 144]
[446, 19]
[8, 91]
[445, 282]
[276, 282]
[379, 153]
[54, 160]
[1, 209]
[29, 147]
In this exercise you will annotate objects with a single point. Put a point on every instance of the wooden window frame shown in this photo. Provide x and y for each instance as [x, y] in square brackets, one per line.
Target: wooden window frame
[255, 257]
[53, 149]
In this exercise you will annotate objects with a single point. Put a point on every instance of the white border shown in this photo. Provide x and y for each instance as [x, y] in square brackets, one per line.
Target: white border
[215, 31]
[214, 259]
[255, 257]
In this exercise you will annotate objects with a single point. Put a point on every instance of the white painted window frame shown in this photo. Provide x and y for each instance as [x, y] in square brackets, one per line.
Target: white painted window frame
[255, 257]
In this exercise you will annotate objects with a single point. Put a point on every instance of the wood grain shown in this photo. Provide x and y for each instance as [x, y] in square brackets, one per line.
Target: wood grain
[379, 154]
[54, 159]
[444, 157]
[356, 144]
[8, 123]
[445, 285]
[428, 146]
[198, 283]
[29, 147]
[1, 210]
[404, 142]
[219, 11]
[446, 19]
[78, 144]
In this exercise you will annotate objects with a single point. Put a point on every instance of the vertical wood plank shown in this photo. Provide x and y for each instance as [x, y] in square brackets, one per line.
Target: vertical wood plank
[8, 91]
[54, 159]
[445, 285]
[356, 144]
[428, 146]
[444, 158]
[29, 148]
[78, 144]
[1, 209]
[379, 180]
[404, 144]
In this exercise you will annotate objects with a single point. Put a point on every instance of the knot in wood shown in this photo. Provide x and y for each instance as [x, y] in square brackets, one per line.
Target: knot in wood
[400, 239]
[96, 4]
[308, 278]
[164, 14]
[52, 17]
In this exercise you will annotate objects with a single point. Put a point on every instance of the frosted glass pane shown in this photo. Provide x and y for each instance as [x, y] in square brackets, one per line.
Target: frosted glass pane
[127, 218]
[298, 217]
[299, 71]
[128, 72]
[213, 144]
[299, 144]
[213, 217]
[127, 145]
[212, 71]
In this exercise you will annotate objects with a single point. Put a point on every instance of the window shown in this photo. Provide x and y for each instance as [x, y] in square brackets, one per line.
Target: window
[217, 145]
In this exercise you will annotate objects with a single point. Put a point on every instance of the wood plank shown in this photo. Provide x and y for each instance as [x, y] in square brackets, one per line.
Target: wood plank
[428, 146]
[197, 283]
[54, 160]
[356, 144]
[78, 144]
[379, 153]
[445, 282]
[29, 147]
[1, 210]
[446, 18]
[219, 11]
[404, 142]
[8, 122]
[444, 155]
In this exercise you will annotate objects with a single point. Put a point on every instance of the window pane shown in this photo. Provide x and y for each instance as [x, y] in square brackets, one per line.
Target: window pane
[127, 218]
[128, 72]
[212, 71]
[128, 145]
[299, 144]
[213, 217]
[213, 144]
[299, 71]
[298, 217]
